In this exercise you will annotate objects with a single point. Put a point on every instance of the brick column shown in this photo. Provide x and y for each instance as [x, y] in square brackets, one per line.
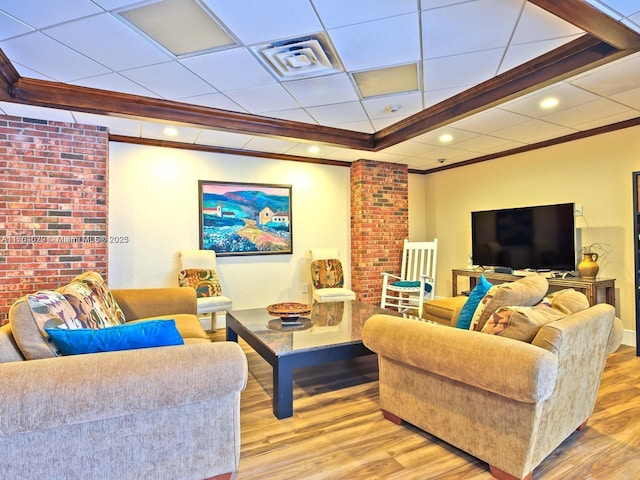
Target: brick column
[379, 224]
[53, 205]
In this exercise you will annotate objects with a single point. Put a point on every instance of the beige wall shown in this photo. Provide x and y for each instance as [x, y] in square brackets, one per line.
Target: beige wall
[595, 172]
[153, 200]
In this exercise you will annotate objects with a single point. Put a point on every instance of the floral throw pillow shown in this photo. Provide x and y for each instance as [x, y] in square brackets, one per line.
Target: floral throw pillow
[205, 282]
[327, 273]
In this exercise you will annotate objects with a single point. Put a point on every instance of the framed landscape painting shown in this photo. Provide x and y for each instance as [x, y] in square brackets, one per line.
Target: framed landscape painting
[245, 218]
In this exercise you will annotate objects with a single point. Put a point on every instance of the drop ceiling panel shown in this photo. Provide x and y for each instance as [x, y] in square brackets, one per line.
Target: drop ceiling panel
[591, 113]
[115, 125]
[157, 130]
[630, 98]
[611, 79]
[10, 27]
[331, 89]
[169, 80]
[43, 13]
[454, 30]
[532, 131]
[29, 111]
[104, 38]
[230, 69]
[366, 46]
[568, 96]
[47, 56]
[295, 114]
[338, 13]
[223, 139]
[215, 100]
[536, 24]
[263, 99]
[256, 21]
[462, 70]
[338, 113]
[408, 103]
[112, 81]
[518, 54]
[271, 145]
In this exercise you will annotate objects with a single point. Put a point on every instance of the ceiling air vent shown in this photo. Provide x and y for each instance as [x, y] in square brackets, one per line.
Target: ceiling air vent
[301, 57]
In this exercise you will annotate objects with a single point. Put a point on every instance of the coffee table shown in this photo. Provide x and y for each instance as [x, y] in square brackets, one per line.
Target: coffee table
[332, 332]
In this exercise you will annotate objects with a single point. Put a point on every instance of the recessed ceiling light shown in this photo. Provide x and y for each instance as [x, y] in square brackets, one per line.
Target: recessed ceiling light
[549, 102]
[180, 26]
[314, 149]
[170, 131]
[445, 137]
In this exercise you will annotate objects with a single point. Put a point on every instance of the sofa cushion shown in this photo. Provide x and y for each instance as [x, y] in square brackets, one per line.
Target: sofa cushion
[205, 282]
[152, 333]
[187, 324]
[470, 306]
[523, 323]
[31, 314]
[327, 273]
[525, 292]
[102, 294]
[91, 309]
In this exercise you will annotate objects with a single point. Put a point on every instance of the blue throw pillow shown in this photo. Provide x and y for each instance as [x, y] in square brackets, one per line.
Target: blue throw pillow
[475, 297]
[412, 284]
[152, 333]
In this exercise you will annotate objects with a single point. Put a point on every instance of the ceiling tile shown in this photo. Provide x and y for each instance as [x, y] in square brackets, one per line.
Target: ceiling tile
[536, 24]
[230, 69]
[272, 145]
[433, 138]
[364, 126]
[29, 111]
[630, 98]
[295, 114]
[461, 70]
[214, 100]
[587, 113]
[532, 131]
[223, 139]
[115, 125]
[114, 82]
[157, 130]
[490, 121]
[454, 29]
[255, 21]
[611, 79]
[516, 55]
[409, 104]
[10, 27]
[322, 90]
[567, 95]
[366, 46]
[43, 54]
[43, 13]
[170, 80]
[105, 39]
[263, 99]
[338, 13]
[338, 113]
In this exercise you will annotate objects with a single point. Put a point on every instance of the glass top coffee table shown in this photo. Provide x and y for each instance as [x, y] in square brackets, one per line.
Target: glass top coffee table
[333, 331]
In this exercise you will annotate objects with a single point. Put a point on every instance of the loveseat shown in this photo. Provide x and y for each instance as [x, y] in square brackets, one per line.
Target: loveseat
[169, 412]
[507, 401]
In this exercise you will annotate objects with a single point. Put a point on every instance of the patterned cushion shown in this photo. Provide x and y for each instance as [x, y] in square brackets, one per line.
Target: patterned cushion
[90, 308]
[205, 282]
[327, 273]
[48, 309]
[525, 292]
[95, 283]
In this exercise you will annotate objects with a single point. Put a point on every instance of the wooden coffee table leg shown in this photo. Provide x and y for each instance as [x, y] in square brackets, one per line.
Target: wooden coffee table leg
[283, 388]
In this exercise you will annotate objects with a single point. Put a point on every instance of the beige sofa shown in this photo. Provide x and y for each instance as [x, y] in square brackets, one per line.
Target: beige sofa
[507, 402]
[163, 413]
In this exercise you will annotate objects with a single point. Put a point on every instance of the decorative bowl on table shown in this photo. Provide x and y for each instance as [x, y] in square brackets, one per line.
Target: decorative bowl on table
[289, 311]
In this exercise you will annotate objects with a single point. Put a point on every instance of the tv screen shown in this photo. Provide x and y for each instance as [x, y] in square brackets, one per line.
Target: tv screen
[539, 238]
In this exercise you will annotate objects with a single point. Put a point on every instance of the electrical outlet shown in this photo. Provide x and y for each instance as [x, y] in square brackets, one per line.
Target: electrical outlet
[305, 288]
[578, 210]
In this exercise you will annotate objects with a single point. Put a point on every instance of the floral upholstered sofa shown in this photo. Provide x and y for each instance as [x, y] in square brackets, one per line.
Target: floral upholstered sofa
[510, 385]
[124, 412]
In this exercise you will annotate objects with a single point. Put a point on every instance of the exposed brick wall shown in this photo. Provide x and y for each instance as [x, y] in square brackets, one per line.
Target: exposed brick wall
[379, 224]
[53, 205]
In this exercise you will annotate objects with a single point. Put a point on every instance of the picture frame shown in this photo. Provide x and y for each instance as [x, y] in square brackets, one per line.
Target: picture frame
[245, 218]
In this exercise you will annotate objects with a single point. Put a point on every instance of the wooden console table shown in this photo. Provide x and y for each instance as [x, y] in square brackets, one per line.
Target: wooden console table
[589, 287]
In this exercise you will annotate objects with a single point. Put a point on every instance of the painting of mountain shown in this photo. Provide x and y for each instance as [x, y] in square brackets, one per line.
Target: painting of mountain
[245, 218]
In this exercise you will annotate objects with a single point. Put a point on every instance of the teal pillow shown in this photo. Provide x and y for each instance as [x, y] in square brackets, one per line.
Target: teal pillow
[475, 297]
[411, 284]
[151, 333]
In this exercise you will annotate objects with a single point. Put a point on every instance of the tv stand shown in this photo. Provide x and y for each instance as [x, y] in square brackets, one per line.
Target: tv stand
[591, 288]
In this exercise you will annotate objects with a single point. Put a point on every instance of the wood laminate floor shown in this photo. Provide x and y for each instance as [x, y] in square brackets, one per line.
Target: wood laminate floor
[337, 431]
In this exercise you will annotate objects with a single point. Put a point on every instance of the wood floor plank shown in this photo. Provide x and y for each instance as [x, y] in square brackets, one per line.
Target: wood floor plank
[338, 432]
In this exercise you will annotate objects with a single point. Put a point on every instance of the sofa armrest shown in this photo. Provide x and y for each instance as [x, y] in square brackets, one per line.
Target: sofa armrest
[48, 393]
[504, 366]
[139, 303]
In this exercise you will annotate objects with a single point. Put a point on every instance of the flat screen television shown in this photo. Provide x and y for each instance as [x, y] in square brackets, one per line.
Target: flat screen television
[538, 238]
